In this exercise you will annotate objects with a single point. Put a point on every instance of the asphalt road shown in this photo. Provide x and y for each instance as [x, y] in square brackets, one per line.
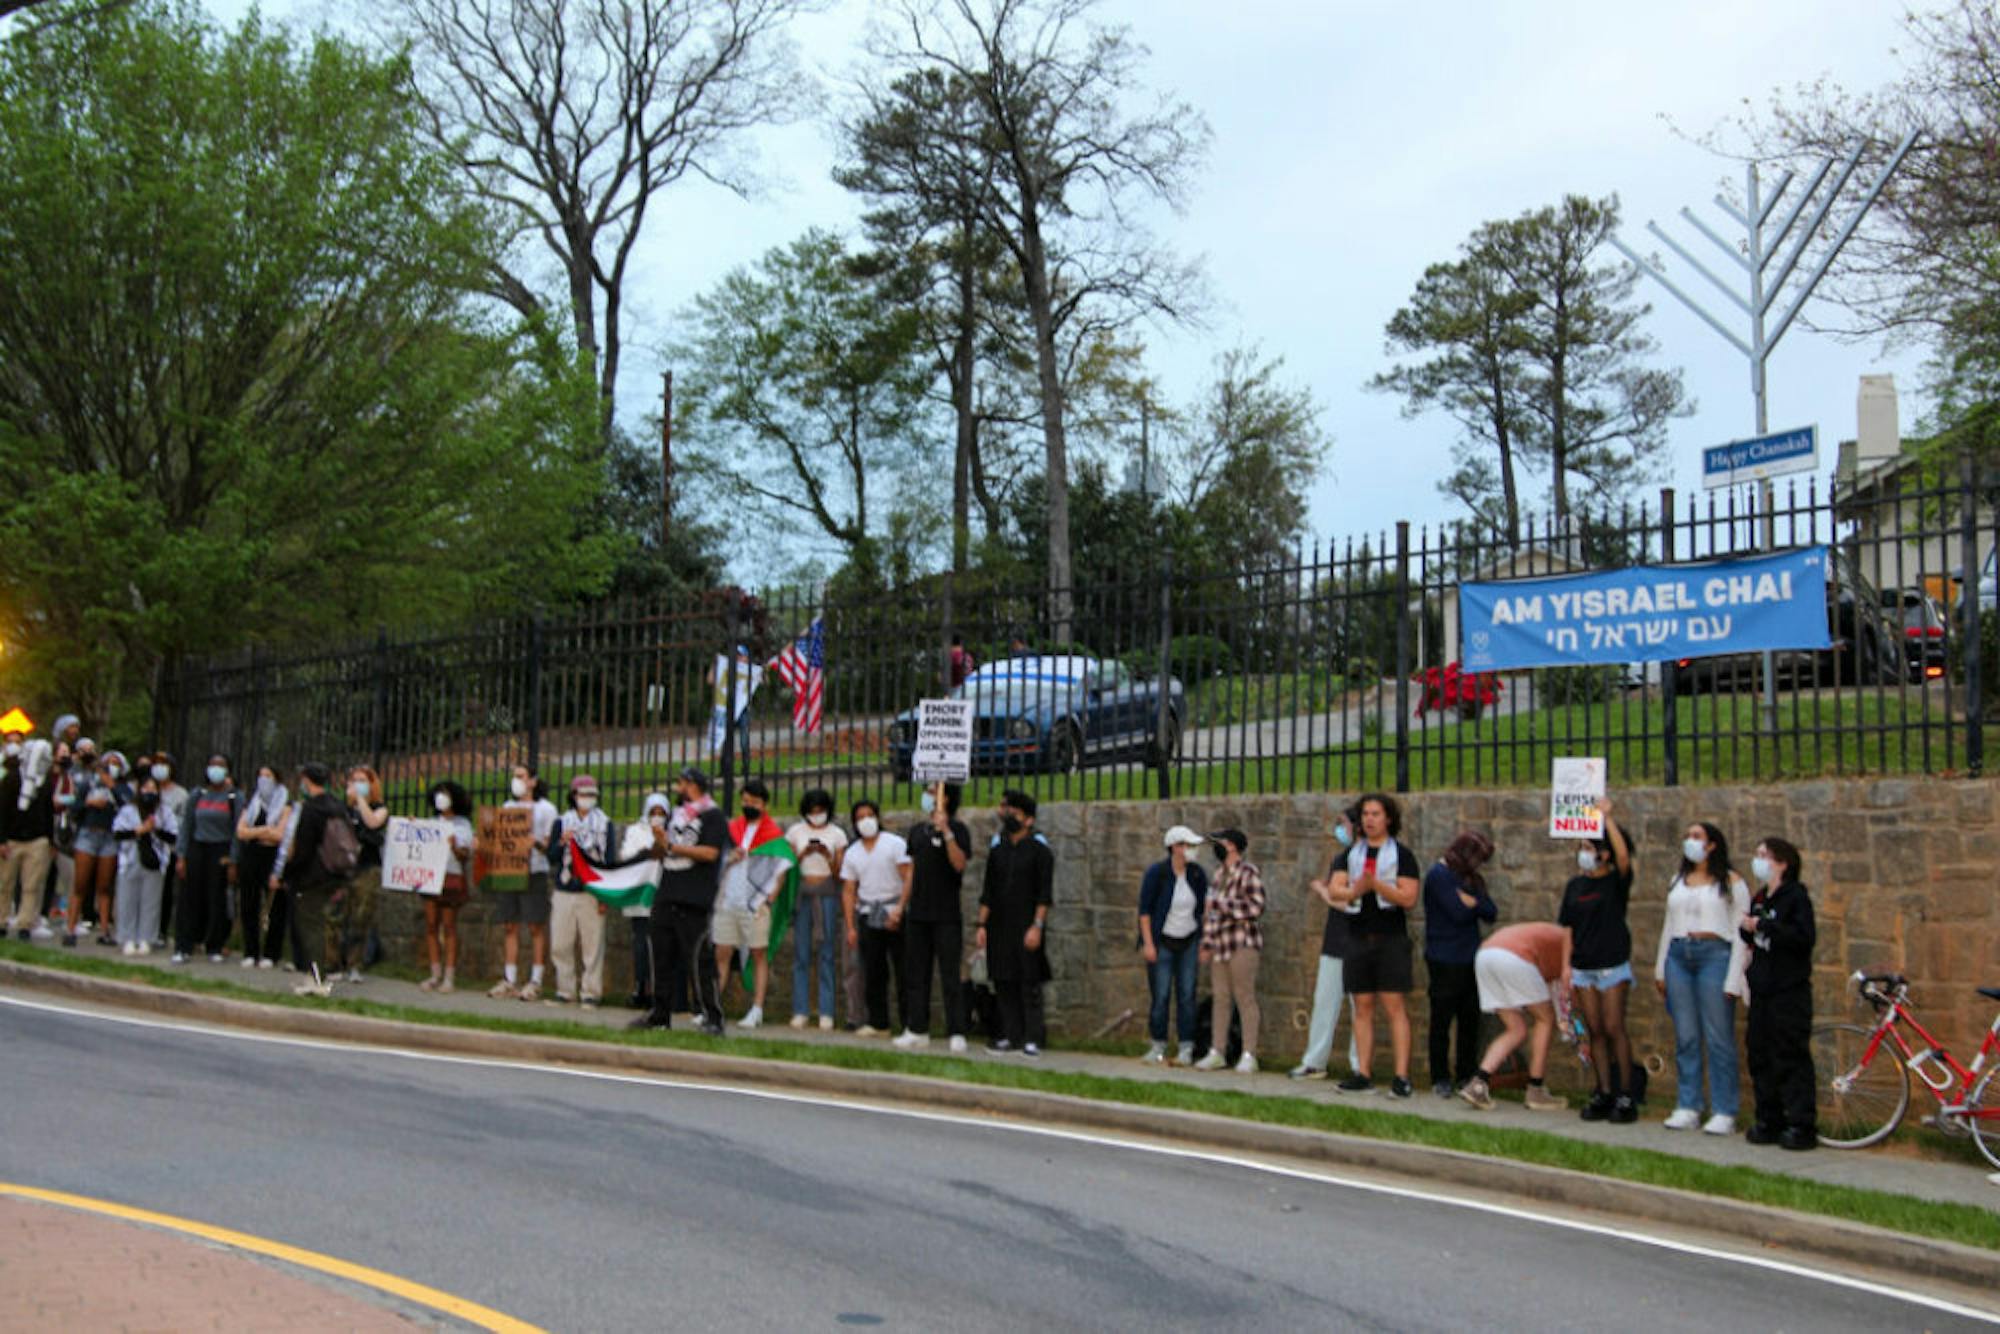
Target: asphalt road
[592, 1204]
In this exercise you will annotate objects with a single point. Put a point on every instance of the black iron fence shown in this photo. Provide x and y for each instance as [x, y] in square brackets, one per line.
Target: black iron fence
[1334, 671]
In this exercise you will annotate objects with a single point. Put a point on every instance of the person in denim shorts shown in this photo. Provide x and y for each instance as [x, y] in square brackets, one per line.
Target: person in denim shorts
[1593, 908]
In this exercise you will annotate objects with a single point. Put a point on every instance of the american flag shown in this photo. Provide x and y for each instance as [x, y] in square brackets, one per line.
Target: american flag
[802, 666]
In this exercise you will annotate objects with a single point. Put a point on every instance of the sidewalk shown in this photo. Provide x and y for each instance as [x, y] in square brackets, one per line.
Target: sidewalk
[163, 1281]
[1885, 1168]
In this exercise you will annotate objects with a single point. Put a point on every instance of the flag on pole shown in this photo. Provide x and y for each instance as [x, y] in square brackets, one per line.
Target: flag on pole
[773, 871]
[802, 666]
[627, 884]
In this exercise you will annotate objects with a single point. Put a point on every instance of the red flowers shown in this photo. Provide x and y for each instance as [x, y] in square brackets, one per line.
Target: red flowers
[1464, 693]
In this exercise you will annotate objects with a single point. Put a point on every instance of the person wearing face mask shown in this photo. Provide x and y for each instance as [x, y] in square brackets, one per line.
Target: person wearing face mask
[1014, 905]
[27, 831]
[514, 907]
[1379, 881]
[940, 845]
[1232, 941]
[300, 870]
[61, 790]
[646, 838]
[350, 912]
[1699, 969]
[454, 807]
[874, 895]
[1173, 897]
[1455, 903]
[696, 836]
[1780, 934]
[259, 830]
[206, 861]
[145, 830]
[1593, 908]
[175, 798]
[576, 920]
[1335, 940]
[100, 791]
[756, 897]
[819, 843]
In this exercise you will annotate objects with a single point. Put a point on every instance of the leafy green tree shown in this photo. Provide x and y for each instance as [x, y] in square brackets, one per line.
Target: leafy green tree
[243, 392]
[1254, 450]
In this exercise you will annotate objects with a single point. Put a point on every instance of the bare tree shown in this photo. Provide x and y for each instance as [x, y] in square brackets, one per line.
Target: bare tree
[570, 115]
[1069, 167]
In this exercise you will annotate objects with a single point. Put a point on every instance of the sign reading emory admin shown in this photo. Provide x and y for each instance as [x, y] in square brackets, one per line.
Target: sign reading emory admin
[943, 752]
[1647, 613]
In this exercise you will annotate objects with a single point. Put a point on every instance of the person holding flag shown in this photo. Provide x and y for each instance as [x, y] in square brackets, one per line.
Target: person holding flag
[734, 687]
[627, 884]
[759, 881]
[576, 922]
[695, 836]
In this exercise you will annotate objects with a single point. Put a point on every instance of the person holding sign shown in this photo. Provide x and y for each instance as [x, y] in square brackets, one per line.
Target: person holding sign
[934, 925]
[515, 906]
[454, 807]
[1593, 908]
[1380, 877]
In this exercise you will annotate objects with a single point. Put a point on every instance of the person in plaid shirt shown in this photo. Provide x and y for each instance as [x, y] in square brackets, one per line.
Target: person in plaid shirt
[1232, 940]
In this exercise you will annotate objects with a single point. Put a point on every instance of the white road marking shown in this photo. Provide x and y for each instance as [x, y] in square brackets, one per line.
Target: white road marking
[1049, 1132]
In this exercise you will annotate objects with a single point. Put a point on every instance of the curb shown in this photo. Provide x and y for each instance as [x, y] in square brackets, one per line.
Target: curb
[1845, 1244]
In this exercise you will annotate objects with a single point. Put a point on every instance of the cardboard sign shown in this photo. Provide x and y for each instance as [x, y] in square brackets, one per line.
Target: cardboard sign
[506, 835]
[416, 854]
[943, 752]
[1576, 799]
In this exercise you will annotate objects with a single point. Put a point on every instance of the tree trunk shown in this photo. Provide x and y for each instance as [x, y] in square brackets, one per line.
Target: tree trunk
[1056, 482]
[963, 353]
[1510, 496]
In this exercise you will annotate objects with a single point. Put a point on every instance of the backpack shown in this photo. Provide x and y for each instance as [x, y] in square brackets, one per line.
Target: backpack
[339, 849]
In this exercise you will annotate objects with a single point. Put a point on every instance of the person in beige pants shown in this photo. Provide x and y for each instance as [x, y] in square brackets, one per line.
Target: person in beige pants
[1232, 940]
[576, 918]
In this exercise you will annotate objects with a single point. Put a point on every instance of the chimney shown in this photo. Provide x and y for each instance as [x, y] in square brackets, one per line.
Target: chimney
[1877, 433]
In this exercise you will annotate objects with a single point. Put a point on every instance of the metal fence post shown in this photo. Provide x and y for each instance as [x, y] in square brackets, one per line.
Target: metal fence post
[535, 692]
[728, 683]
[378, 726]
[1975, 703]
[1162, 722]
[1402, 612]
[1669, 672]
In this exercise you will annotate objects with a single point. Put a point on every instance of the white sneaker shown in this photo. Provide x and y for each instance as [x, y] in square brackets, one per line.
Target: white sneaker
[1248, 1065]
[1155, 1054]
[870, 1031]
[354, 977]
[754, 1018]
[266, 963]
[799, 1021]
[178, 957]
[215, 958]
[129, 948]
[42, 932]
[1215, 1060]
[1684, 1118]
[1185, 1056]
[958, 1043]
[1719, 1125]
[909, 1041]
[249, 962]
[144, 949]
[826, 1023]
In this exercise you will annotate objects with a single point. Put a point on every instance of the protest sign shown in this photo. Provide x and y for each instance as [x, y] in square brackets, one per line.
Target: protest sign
[1576, 799]
[943, 752]
[416, 854]
[506, 835]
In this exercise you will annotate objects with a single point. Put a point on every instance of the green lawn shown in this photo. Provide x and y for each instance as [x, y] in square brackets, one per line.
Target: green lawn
[1965, 1224]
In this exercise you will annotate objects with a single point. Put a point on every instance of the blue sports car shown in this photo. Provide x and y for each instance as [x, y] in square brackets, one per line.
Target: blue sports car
[1056, 714]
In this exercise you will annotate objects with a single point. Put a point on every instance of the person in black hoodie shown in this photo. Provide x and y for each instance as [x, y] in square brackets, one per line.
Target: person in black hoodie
[1779, 930]
[298, 870]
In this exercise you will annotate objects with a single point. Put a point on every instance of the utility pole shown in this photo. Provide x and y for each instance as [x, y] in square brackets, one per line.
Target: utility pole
[666, 458]
[1754, 255]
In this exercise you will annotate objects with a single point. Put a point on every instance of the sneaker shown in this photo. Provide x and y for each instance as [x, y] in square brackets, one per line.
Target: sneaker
[1684, 1118]
[107, 940]
[178, 957]
[129, 949]
[1539, 1099]
[1598, 1108]
[1623, 1111]
[713, 1028]
[25, 934]
[958, 1043]
[1248, 1065]
[1441, 1089]
[753, 1019]
[69, 941]
[800, 1021]
[1185, 1054]
[909, 1041]
[1156, 1054]
[1355, 1084]
[1400, 1087]
[144, 949]
[559, 999]
[289, 966]
[1305, 1072]
[215, 958]
[1031, 1049]
[646, 1020]
[449, 985]
[249, 961]
[1215, 1060]
[1474, 1091]
[826, 1023]
[1719, 1125]
[1798, 1139]
[502, 990]
[41, 933]
[590, 1002]
[430, 983]
[1000, 1046]
[869, 1031]
[1761, 1134]
[530, 993]
[354, 977]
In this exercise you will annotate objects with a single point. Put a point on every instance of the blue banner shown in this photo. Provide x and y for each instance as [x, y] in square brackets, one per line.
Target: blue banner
[1647, 613]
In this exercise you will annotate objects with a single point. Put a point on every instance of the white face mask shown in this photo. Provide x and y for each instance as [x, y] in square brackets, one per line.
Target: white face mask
[358, 791]
[867, 826]
[217, 773]
[160, 772]
[1694, 849]
[114, 771]
[520, 787]
[929, 803]
[1343, 836]
[586, 804]
[817, 819]
[1586, 859]
[658, 819]
[443, 802]
[1763, 868]
[13, 750]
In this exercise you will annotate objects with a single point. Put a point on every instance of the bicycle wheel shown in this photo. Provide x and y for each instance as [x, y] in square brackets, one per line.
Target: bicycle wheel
[1983, 1115]
[1859, 1104]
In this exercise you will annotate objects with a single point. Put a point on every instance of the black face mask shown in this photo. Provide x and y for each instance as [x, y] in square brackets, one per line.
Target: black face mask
[149, 801]
[1010, 825]
[753, 813]
[64, 762]
[1221, 855]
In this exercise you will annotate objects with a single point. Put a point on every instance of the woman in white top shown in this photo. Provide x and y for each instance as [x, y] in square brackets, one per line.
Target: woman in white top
[1173, 896]
[1700, 972]
[874, 891]
[819, 842]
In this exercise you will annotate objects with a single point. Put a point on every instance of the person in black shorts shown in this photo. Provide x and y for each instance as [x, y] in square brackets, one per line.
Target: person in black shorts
[1593, 908]
[1380, 880]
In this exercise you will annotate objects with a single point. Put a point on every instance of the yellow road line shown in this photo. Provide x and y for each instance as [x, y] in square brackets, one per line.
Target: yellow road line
[471, 1312]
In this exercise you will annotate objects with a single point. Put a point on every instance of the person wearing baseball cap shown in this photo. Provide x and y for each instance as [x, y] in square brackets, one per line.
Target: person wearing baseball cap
[1173, 894]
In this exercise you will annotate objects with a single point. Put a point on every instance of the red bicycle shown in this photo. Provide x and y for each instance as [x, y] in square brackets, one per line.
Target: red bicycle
[1865, 1091]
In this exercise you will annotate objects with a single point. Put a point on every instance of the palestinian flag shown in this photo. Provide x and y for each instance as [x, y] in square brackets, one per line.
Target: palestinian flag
[616, 884]
[773, 867]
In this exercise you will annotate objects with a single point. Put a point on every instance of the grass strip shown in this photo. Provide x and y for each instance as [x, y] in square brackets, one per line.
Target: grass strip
[1965, 1224]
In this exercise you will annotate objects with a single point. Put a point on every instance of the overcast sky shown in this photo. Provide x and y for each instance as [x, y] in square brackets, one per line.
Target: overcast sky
[1355, 143]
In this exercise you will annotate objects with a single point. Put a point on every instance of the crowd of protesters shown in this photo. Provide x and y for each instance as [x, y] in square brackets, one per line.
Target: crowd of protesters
[286, 866]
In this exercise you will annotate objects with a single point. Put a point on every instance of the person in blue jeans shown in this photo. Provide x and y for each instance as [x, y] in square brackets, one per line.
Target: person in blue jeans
[1700, 970]
[1172, 897]
[819, 843]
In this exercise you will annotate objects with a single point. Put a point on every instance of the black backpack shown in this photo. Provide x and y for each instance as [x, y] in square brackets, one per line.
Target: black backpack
[339, 849]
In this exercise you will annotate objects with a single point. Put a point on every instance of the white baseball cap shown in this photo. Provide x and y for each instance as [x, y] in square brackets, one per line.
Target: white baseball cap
[1180, 833]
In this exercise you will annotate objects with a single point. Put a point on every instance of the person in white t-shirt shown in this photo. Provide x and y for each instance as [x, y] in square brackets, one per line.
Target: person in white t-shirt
[816, 928]
[1172, 898]
[874, 891]
[531, 905]
[1699, 969]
